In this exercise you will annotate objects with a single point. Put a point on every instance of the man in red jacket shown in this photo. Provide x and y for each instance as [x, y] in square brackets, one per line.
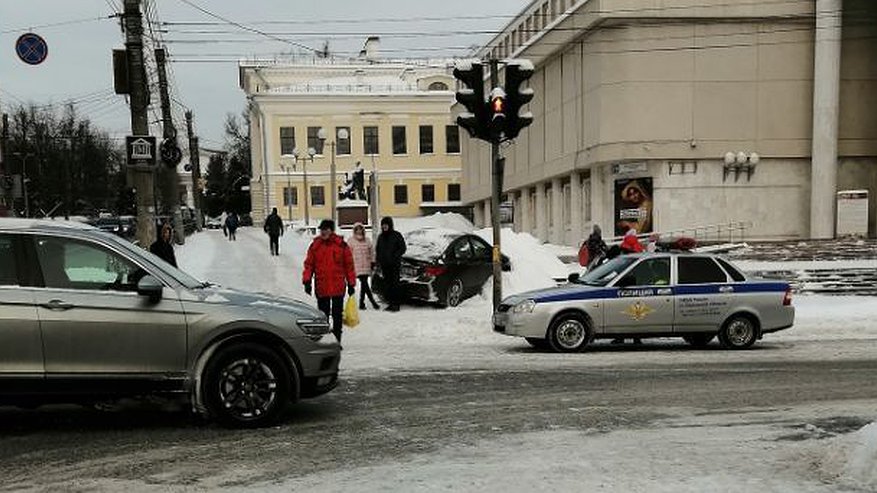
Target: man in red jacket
[330, 263]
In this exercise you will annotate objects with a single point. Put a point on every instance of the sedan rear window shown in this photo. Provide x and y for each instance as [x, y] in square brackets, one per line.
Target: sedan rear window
[732, 271]
[700, 270]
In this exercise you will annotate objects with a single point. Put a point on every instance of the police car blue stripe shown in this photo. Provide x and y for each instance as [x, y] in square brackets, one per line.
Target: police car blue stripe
[602, 294]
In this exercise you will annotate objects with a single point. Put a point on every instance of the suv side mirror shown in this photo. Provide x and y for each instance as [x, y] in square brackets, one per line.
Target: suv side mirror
[150, 287]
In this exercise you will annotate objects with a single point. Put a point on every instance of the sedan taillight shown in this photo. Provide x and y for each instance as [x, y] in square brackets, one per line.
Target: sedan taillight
[435, 270]
[787, 299]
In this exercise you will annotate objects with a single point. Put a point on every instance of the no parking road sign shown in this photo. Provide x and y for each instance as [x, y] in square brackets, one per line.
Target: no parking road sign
[31, 48]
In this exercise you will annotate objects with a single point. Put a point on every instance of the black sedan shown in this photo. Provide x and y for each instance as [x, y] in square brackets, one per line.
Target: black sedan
[444, 266]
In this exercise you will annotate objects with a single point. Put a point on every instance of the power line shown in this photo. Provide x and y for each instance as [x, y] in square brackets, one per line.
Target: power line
[58, 24]
[247, 28]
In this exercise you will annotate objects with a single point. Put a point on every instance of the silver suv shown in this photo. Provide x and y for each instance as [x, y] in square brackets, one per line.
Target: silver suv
[87, 316]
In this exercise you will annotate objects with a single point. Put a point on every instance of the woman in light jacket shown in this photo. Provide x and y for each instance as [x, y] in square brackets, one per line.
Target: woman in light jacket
[363, 262]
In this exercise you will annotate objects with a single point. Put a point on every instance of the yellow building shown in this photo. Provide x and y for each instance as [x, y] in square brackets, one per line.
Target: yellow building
[392, 117]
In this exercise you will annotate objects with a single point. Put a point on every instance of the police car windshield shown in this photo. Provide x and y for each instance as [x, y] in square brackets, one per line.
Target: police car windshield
[604, 274]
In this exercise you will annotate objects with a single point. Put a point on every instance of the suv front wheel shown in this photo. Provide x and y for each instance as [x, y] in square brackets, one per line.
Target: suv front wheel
[246, 386]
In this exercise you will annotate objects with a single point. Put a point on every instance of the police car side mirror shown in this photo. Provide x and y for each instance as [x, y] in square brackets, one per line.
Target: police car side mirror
[574, 277]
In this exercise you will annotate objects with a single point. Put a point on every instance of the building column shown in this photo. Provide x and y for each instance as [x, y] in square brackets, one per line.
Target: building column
[541, 219]
[575, 213]
[488, 218]
[557, 231]
[826, 106]
[526, 206]
[478, 218]
[598, 202]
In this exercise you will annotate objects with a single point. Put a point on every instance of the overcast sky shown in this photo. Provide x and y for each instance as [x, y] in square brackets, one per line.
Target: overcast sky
[79, 62]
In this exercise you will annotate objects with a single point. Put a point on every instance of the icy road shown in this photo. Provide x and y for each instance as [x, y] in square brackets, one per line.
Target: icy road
[431, 400]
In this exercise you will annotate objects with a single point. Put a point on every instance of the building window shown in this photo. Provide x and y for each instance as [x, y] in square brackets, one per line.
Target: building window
[400, 141]
[452, 139]
[454, 194]
[426, 139]
[287, 141]
[318, 196]
[427, 193]
[314, 141]
[290, 196]
[438, 86]
[343, 145]
[400, 194]
[370, 140]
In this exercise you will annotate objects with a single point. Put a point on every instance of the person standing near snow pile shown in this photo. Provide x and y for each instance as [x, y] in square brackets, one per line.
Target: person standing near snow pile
[274, 228]
[630, 243]
[595, 247]
[363, 263]
[391, 246]
[231, 225]
[329, 262]
[163, 248]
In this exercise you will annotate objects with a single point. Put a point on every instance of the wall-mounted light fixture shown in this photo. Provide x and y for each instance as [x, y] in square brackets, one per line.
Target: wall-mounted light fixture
[738, 163]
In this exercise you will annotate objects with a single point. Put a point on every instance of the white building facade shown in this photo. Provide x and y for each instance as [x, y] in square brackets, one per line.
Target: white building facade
[667, 116]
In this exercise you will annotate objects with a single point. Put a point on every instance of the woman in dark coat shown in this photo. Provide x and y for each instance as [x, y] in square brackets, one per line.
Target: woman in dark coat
[163, 247]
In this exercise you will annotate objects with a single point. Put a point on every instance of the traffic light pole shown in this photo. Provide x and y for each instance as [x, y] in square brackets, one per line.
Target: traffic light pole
[497, 164]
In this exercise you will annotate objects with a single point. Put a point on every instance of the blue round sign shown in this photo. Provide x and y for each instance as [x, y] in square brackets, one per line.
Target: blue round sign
[31, 48]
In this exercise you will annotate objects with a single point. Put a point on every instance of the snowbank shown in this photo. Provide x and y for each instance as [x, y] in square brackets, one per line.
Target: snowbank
[445, 220]
[533, 265]
[851, 460]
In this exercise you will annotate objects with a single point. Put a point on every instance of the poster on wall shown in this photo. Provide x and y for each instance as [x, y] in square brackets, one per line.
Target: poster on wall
[633, 205]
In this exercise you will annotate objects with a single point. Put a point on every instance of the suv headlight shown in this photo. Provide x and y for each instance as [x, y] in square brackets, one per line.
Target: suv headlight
[526, 306]
[314, 328]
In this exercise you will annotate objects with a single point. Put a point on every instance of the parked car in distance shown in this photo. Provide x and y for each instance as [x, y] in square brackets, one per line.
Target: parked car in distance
[213, 223]
[123, 226]
[246, 219]
[697, 297]
[444, 266]
[89, 317]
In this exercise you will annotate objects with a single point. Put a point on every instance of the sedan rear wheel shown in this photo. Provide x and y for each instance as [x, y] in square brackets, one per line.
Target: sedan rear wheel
[739, 332]
[246, 386]
[569, 334]
[454, 293]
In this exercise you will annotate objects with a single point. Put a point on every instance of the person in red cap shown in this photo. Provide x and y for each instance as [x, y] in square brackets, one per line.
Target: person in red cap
[330, 264]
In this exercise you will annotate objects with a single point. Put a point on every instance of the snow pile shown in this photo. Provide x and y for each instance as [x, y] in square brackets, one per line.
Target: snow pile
[533, 265]
[428, 243]
[444, 220]
[852, 460]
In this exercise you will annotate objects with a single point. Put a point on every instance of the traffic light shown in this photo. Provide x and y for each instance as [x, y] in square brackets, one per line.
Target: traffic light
[516, 73]
[498, 116]
[475, 118]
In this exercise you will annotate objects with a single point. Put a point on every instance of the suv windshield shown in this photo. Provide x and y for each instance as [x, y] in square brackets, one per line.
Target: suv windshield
[604, 274]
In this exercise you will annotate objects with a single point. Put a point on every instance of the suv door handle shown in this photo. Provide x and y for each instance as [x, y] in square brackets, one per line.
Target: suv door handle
[726, 289]
[57, 305]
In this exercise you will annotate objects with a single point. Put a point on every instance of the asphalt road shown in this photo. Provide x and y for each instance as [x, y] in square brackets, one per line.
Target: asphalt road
[375, 418]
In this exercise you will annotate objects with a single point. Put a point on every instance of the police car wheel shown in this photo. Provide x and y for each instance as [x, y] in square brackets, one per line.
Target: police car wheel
[569, 334]
[739, 332]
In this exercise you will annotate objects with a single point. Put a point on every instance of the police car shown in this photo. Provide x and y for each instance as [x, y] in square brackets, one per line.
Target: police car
[671, 294]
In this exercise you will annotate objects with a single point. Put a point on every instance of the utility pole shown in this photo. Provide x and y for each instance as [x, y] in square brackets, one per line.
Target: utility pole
[171, 182]
[141, 179]
[4, 134]
[195, 163]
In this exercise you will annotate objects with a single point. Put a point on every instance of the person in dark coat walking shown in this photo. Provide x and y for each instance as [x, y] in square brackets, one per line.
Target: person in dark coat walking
[274, 228]
[330, 263]
[232, 222]
[596, 247]
[390, 248]
[163, 247]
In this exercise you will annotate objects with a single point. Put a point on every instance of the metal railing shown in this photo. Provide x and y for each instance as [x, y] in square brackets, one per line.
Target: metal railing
[730, 232]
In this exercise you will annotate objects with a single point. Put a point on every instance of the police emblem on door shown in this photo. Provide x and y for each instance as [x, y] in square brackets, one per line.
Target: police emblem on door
[638, 311]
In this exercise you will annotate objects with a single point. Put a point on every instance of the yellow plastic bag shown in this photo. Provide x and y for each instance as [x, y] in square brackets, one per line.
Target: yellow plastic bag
[351, 313]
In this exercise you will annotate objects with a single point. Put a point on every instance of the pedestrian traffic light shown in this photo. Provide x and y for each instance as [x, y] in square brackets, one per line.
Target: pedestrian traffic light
[475, 119]
[516, 73]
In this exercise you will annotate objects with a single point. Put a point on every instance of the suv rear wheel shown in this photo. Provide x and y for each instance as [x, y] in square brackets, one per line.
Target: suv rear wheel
[246, 386]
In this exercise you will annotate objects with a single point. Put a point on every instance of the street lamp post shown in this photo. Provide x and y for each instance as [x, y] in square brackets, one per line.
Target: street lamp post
[287, 196]
[307, 192]
[342, 134]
